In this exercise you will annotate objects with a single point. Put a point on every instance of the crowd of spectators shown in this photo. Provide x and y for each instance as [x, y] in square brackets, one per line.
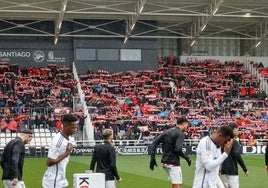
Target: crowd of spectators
[209, 93]
[29, 95]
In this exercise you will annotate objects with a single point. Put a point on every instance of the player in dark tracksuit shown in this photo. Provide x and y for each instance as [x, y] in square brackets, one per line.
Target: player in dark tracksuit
[229, 168]
[12, 160]
[105, 157]
[172, 143]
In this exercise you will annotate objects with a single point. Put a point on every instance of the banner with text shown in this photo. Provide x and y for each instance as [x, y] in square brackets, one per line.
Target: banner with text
[136, 150]
[36, 56]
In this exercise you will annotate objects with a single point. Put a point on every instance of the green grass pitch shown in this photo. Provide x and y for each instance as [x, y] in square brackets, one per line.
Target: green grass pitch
[135, 172]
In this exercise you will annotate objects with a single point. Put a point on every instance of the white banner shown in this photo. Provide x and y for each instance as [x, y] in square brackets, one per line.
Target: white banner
[89, 180]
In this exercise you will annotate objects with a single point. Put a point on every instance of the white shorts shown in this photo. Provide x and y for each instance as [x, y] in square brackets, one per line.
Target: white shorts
[220, 183]
[110, 184]
[230, 181]
[8, 184]
[174, 173]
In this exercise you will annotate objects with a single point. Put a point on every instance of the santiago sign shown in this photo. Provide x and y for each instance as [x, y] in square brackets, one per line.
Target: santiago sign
[38, 56]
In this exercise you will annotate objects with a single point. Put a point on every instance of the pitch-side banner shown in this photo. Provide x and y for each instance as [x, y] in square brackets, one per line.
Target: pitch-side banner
[120, 150]
[137, 150]
[192, 149]
[144, 150]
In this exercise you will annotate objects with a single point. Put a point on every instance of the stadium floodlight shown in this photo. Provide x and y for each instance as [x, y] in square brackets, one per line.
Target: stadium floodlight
[192, 42]
[199, 26]
[131, 21]
[258, 43]
[58, 22]
[261, 35]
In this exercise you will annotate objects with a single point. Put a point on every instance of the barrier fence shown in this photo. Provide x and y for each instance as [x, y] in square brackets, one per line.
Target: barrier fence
[129, 147]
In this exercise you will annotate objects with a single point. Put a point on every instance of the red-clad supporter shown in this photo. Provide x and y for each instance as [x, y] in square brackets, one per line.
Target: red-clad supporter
[243, 92]
[135, 101]
[170, 60]
[125, 107]
[252, 91]
[44, 72]
[58, 125]
[155, 90]
[34, 71]
[243, 136]
[13, 126]
[162, 71]
[145, 109]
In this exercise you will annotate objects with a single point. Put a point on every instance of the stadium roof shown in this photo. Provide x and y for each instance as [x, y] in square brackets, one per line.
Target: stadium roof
[187, 19]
